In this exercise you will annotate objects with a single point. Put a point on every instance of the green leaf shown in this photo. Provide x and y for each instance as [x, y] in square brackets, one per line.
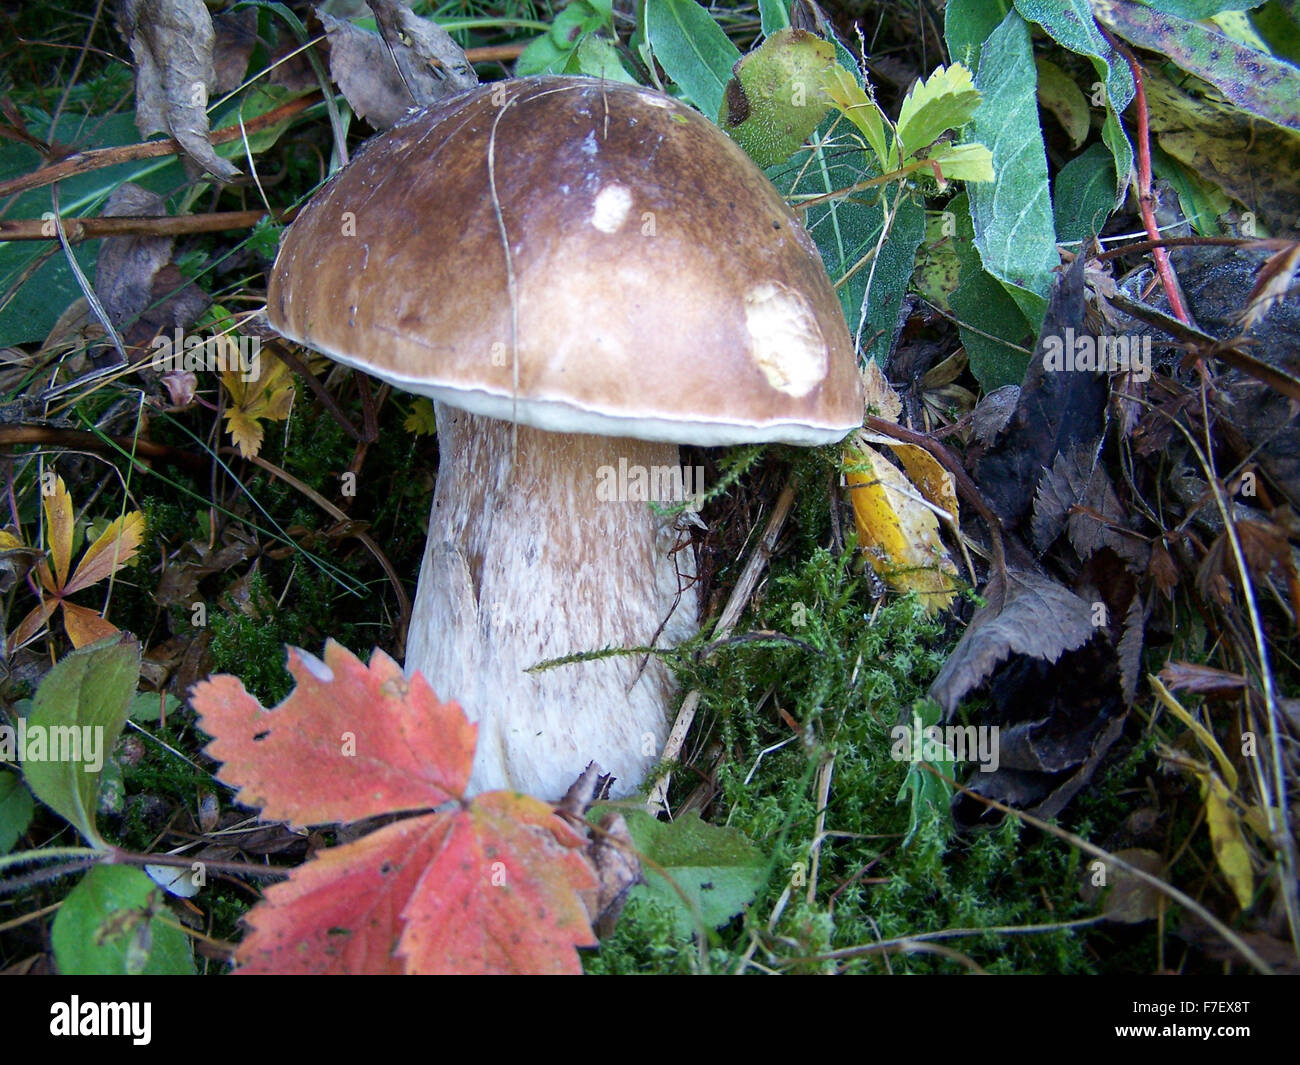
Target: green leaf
[718, 869]
[540, 56]
[1083, 195]
[847, 94]
[1013, 216]
[597, 58]
[1201, 202]
[774, 15]
[1279, 25]
[945, 100]
[692, 49]
[1198, 9]
[923, 791]
[967, 25]
[84, 701]
[149, 706]
[41, 296]
[963, 162]
[112, 924]
[774, 99]
[1071, 25]
[989, 321]
[15, 810]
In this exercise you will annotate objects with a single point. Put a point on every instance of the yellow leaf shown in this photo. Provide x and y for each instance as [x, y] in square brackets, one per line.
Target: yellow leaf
[1229, 841]
[269, 396]
[421, 421]
[115, 547]
[246, 432]
[9, 542]
[882, 400]
[899, 532]
[85, 626]
[58, 529]
[928, 474]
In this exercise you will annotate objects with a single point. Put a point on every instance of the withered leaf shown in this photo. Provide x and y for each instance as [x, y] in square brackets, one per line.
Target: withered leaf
[1076, 495]
[1028, 613]
[1057, 409]
[171, 42]
[413, 64]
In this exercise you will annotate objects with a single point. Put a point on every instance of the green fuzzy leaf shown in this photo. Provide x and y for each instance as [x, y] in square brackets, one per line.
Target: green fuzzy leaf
[1083, 195]
[718, 869]
[991, 325]
[16, 808]
[1013, 216]
[112, 924]
[774, 15]
[83, 701]
[967, 25]
[1071, 25]
[774, 99]
[945, 100]
[692, 49]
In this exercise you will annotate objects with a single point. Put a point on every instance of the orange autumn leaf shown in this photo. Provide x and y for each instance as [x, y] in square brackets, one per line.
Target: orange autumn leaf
[114, 548]
[492, 884]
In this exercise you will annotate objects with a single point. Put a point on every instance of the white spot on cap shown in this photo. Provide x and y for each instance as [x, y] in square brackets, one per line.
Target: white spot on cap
[612, 205]
[654, 99]
[786, 343]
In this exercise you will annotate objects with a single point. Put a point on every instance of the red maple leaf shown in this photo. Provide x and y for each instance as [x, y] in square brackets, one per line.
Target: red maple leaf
[493, 884]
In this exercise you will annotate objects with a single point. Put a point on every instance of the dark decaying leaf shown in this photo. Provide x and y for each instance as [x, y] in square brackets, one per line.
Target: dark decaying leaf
[411, 62]
[1076, 494]
[1125, 899]
[171, 42]
[134, 277]
[1058, 410]
[1027, 614]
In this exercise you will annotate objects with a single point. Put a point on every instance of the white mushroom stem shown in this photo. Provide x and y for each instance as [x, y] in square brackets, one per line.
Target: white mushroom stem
[527, 562]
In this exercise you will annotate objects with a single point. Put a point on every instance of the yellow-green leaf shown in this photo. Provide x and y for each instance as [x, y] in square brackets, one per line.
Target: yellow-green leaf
[847, 95]
[1229, 841]
[115, 547]
[58, 529]
[945, 100]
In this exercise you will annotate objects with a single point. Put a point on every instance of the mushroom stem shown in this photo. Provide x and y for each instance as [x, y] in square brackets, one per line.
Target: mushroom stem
[541, 547]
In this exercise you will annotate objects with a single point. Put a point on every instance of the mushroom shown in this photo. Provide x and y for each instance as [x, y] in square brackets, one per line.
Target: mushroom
[582, 275]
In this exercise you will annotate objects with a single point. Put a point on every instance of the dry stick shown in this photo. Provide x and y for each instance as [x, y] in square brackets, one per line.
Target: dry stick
[1145, 199]
[1264, 243]
[48, 436]
[740, 595]
[96, 158]
[79, 229]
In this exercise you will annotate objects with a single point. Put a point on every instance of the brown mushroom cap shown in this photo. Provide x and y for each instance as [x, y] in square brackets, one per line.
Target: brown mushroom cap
[655, 285]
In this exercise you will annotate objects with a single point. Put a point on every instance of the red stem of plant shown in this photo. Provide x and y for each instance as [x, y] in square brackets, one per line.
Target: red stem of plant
[1145, 199]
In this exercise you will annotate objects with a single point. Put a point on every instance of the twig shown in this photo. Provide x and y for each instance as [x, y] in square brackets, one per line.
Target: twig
[79, 229]
[48, 436]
